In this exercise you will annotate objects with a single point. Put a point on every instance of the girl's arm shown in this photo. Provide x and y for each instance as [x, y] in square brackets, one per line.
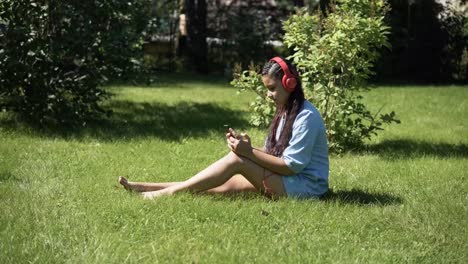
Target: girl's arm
[243, 148]
[259, 149]
[269, 162]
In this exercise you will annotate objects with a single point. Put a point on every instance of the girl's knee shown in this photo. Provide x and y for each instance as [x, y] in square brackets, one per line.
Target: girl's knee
[235, 159]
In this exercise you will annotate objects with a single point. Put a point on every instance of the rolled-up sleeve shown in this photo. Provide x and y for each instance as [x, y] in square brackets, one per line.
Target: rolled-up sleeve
[299, 151]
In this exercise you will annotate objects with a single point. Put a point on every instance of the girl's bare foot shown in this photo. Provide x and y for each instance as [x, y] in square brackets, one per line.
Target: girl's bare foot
[125, 184]
[155, 194]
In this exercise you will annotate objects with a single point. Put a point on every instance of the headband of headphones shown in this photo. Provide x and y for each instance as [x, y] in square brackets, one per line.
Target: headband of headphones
[289, 81]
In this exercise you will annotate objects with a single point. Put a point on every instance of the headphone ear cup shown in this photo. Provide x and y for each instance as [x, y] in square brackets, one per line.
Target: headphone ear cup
[289, 83]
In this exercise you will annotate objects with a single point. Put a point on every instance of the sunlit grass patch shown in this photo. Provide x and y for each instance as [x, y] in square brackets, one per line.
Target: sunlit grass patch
[402, 199]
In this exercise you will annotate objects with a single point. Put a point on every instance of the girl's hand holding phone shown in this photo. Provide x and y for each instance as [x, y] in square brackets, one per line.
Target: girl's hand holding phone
[232, 133]
[239, 144]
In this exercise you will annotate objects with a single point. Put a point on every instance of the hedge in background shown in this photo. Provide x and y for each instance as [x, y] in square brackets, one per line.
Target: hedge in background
[55, 54]
[335, 54]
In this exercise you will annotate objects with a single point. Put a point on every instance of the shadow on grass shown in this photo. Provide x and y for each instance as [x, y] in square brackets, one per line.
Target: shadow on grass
[354, 196]
[7, 176]
[405, 148]
[136, 120]
[168, 79]
[171, 80]
[234, 196]
[360, 197]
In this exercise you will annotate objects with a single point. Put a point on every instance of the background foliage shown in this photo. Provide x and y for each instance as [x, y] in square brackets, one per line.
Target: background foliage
[245, 30]
[55, 54]
[429, 39]
[429, 42]
[335, 55]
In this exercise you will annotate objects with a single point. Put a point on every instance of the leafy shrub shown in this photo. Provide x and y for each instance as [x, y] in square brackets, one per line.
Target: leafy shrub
[55, 54]
[335, 55]
[262, 106]
[455, 54]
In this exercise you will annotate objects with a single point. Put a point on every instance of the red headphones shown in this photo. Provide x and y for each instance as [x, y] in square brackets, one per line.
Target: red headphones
[289, 81]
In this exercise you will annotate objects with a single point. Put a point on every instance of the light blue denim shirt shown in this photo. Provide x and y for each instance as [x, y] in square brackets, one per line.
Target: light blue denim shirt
[307, 152]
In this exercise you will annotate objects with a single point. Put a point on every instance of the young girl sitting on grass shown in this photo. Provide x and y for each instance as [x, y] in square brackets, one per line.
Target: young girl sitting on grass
[293, 163]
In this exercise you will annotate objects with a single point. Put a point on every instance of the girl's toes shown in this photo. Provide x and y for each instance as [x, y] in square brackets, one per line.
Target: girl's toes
[122, 180]
[124, 183]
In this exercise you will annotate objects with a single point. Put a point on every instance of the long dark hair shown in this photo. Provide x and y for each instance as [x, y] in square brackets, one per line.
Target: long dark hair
[290, 110]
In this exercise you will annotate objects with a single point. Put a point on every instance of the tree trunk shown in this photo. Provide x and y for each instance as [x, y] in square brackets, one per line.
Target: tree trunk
[196, 34]
[325, 6]
[299, 3]
[181, 44]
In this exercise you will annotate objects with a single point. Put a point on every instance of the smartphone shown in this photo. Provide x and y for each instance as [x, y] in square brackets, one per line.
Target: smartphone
[231, 130]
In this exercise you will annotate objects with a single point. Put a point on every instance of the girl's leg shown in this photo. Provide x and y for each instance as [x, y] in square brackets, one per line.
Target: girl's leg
[144, 186]
[221, 171]
[237, 183]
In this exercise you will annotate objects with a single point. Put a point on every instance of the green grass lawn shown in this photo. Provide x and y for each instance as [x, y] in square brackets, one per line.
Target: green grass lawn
[404, 199]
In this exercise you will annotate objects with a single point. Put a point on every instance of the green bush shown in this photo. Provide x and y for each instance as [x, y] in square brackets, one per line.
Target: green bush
[335, 55]
[455, 54]
[263, 107]
[55, 54]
